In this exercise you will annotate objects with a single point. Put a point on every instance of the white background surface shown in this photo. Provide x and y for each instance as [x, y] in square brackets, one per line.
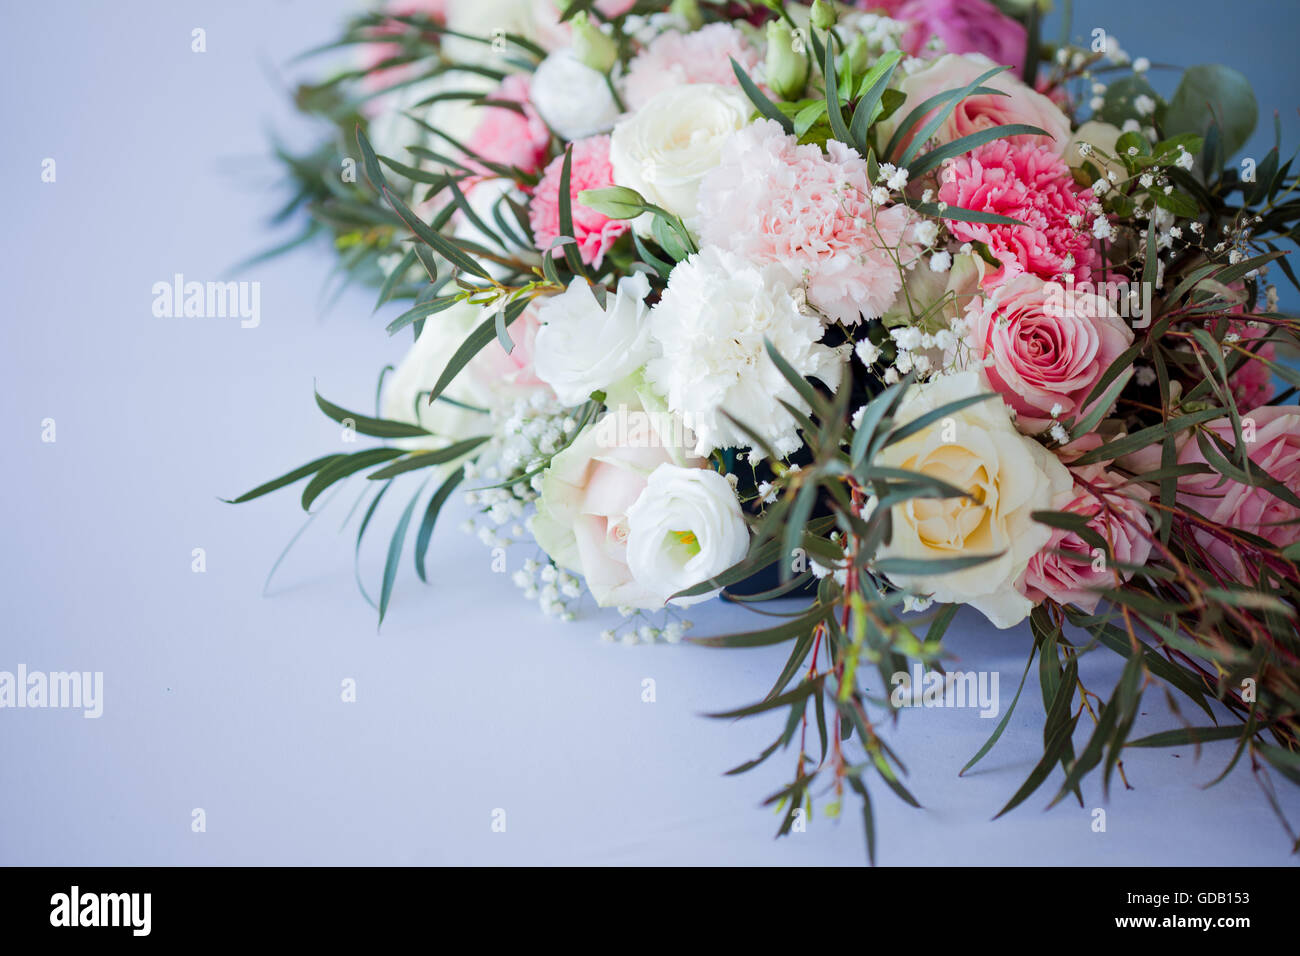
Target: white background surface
[468, 700]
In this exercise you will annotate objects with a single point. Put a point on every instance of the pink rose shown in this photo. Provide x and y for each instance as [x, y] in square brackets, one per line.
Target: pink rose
[974, 113]
[1230, 504]
[1049, 346]
[507, 137]
[595, 232]
[1032, 185]
[1067, 570]
[964, 26]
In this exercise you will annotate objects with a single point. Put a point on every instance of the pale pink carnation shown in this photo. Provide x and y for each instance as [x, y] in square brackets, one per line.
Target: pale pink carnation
[963, 26]
[1231, 504]
[1067, 570]
[772, 201]
[1031, 184]
[1048, 346]
[675, 59]
[506, 137]
[595, 232]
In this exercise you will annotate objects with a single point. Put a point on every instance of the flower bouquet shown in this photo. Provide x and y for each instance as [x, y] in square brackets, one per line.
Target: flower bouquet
[885, 311]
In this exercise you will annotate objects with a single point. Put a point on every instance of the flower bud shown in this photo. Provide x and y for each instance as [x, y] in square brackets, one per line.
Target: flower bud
[823, 15]
[591, 45]
[787, 63]
[616, 202]
[855, 60]
[688, 10]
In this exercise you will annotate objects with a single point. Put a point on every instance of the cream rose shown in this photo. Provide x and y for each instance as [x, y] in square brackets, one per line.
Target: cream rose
[1011, 476]
[665, 148]
[590, 487]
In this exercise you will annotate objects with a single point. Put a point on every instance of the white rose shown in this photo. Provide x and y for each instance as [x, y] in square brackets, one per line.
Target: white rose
[1012, 476]
[491, 381]
[711, 324]
[582, 515]
[571, 97]
[581, 347]
[536, 20]
[665, 148]
[685, 527]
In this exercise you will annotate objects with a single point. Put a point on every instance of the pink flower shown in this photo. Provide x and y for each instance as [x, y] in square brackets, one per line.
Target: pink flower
[974, 113]
[1275, 449]
[1049, 346]
[675, 59]
[772, 201]
[1071, 570]
[1033, 185]
[1252, 383]
[594, 231]
[506, 137]
[964, 26]
[372, 54]
[509, 373]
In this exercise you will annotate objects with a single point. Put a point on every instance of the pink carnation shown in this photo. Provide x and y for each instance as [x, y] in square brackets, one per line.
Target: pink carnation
[508, 138]
[772, 201]
[594, 231]
[1067, 570]
[963, 26]
[1033, 185]
[675, 59]
[1049, 347]
[1272, 434]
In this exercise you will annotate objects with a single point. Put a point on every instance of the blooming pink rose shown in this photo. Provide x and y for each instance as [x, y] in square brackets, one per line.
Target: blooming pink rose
[1067, 570]
[594, 231]
[772, 201]
[964, 26]
[1034, 186]
[974, 113]
[675, 59]
[1049, 346]
[1230, 504]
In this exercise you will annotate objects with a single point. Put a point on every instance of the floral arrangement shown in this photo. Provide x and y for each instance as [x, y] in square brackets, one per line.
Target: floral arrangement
[886, 310]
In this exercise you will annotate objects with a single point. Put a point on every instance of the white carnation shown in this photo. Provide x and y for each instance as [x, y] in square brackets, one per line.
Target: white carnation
[582, 347]
[711, 324]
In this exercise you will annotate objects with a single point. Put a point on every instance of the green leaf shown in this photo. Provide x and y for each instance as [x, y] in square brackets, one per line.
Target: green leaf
[965, 144]
[761, 103]
[342, 467]
[477, 340]
[365, 425]
[1213, 94]
[431, 513]
[286, 479]
[426, 459]
[771, 635]
[394, 555]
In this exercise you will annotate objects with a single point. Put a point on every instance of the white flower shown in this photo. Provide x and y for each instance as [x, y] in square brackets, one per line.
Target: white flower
[941, 261]
[711, 324]
[571, 97]
[1011, 477]
[685, 527]
[536, 20]
[665, 148]
[581, 347]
